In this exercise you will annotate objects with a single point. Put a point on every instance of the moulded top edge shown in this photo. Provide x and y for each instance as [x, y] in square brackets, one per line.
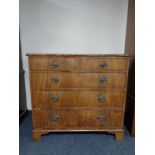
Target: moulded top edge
[70, 55]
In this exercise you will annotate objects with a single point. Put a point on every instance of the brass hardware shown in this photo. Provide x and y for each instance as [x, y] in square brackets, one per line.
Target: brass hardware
[55, 80]
[101, 117]
[103, 65]
[103, 79]
[55, 98]
[55, 118]
[54, 65]
[101, 98]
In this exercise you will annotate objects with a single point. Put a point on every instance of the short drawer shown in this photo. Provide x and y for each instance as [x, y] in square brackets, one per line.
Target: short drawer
[48, 81]
[78, 119]
[52, 64]
[46, 100]
[99, 64]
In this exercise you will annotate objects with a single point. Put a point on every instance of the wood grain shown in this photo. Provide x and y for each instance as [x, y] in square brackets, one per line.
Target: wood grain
[43, 81]
[61, 99]
[77, 119]
[78, 93]
[102, 64]
[52, 64]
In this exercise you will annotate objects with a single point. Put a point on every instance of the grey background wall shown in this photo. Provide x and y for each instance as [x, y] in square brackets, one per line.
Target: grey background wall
[71, 26]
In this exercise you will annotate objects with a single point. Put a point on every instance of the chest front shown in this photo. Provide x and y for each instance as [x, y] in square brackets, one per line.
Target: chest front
[78, 93]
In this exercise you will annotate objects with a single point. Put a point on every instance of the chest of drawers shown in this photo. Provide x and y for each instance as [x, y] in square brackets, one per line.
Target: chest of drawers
[78, 93]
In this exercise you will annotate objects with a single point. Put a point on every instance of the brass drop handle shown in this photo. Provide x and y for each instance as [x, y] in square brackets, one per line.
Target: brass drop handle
[55, 118]
[101, 98]
[55, 98]
[103, 79]
[53, 65]
[103, 65]
[55, 80]
[101, 117]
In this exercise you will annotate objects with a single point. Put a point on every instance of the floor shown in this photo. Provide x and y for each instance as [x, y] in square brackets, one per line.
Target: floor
[73, 143]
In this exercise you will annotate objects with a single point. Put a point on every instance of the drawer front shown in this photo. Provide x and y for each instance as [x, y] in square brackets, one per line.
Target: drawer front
[47, 100]
[77, 119]
[102, 64]
[52, 64]
[42, 81]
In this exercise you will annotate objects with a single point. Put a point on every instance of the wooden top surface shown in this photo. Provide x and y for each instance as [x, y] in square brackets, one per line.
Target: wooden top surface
[69, 55]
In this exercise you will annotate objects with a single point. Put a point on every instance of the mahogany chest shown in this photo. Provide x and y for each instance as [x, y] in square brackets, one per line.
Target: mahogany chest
[78, 93]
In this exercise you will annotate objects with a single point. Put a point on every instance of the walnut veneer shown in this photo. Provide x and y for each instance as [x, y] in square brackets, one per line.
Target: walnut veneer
[78, 93]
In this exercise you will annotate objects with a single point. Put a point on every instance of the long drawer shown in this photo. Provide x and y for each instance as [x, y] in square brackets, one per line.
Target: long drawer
[77, 119]
[53, 80]
[46, 100]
